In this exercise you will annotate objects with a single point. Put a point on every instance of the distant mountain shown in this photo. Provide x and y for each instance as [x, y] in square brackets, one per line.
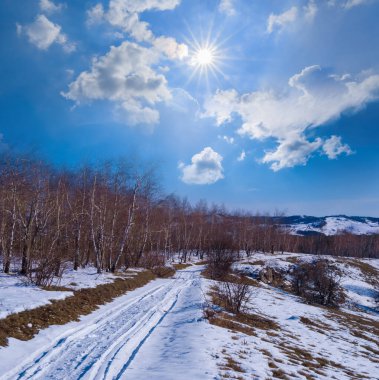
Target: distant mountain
[329, 225]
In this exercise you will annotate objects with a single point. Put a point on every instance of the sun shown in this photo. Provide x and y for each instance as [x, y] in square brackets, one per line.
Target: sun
[203, 57]
[206, 58]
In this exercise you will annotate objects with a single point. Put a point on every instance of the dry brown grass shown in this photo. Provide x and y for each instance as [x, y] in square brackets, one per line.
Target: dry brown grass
[359, 326]
[257, 321]
[314, 364]
[55, 288]
[243, 322]
[292, 260]
[26, 324]
[234, 278]
[316, 325]
[163, 272]
[201, 263]
[279, 374]
[256, 262]
[231, 364]
[223, 320]
[237, 278]
[182, 266]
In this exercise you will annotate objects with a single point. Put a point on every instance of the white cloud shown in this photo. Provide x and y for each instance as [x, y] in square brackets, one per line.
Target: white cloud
[145, 5]
[221, 106]
[205, 168]
[291, 152]
[49, 6]
[279, 21]
[130, 75]
[353, 3]
[310, 10]
[314, 97]
[124, 14]
[333, 147]
[95, 14]
[227, 7]
[347, 4]
[171, 48]
[229, 140]
[43, 33]
[132, 112]
[242, 156]
[124, 75]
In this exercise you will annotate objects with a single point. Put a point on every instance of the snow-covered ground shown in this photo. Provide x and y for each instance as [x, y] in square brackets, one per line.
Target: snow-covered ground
[359, 290]
[311, 340]
[86, 278]
[159, 332]
[333, 225]
[155, 332]
[16, 294]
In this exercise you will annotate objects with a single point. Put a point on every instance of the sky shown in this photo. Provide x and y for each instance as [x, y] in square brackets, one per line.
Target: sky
[259, 105]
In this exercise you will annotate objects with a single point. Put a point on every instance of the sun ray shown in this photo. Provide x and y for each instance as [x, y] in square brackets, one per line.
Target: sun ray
[208, 56]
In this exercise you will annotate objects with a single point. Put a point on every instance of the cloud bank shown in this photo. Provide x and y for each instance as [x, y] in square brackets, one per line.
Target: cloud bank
[314, 97]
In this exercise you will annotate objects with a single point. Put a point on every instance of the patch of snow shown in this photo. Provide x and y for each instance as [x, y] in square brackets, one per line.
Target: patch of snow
[18, 295]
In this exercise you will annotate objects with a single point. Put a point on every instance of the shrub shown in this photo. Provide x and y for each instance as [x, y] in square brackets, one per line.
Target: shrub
[318, 282]
[234, 297]
[221, 255]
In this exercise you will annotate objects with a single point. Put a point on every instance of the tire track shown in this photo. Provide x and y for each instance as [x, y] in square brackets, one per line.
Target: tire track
[105, 347]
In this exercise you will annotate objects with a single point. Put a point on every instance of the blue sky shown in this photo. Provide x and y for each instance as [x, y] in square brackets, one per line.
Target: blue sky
[256, 104]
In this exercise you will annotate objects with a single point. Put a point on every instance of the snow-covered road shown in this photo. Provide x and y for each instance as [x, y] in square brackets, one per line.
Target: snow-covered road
[152, 333]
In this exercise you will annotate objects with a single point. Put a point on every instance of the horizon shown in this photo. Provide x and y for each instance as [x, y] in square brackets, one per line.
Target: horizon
[257, 106]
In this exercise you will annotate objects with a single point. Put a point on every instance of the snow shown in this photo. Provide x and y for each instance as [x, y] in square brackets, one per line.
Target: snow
[336, 224]
[158, 332]
[333, 343]
[86, 278]
[359, 292]
[330, 341]
[161, 321]
[17, 295]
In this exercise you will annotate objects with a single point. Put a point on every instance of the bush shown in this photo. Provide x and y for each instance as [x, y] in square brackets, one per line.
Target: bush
[318, 282]
[221, 255]
[234, 297]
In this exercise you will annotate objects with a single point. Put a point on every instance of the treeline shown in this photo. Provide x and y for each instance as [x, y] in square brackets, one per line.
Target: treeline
[114, 215]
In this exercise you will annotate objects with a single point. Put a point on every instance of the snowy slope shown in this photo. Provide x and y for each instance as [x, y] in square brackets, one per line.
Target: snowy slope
[331, 225]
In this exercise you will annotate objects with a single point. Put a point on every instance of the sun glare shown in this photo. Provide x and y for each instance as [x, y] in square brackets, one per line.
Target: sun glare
[206, 57]
[203, 57]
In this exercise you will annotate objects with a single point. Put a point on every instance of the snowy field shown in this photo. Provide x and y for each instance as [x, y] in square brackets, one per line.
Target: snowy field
[16, 294]
[311, 341]
[159, 332]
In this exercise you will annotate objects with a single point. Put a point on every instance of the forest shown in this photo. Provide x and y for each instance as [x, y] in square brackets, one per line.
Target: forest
[114, 215]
